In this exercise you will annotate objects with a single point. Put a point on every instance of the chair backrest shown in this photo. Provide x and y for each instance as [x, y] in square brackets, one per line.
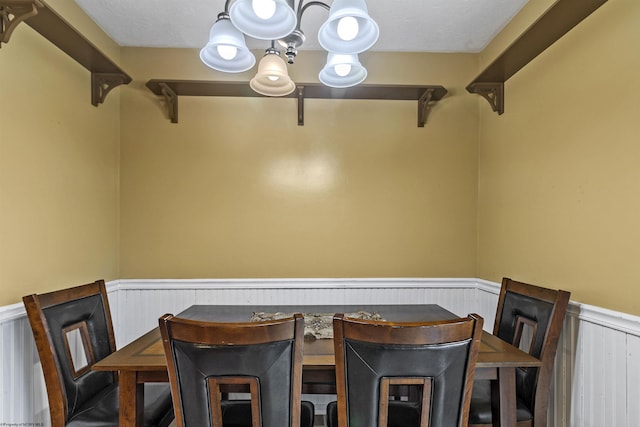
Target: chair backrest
[204, 357]
[72, 330]
[438, 357]
[531, 317]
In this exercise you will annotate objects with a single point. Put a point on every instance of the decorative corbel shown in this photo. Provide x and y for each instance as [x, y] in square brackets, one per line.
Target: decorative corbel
[102, 83]
[424, 106]
[12, 13]
[492, 92]
[171, 101]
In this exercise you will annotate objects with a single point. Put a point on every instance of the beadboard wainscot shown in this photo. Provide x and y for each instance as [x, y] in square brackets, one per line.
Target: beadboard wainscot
[597, 371]
[141, 302]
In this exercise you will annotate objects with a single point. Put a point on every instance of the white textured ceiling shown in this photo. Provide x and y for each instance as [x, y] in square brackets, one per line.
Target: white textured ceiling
[405, 25]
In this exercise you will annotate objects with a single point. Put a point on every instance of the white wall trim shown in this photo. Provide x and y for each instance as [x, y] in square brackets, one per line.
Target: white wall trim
[615, 320]
[12, 312]
[354, 283]
[487, 286]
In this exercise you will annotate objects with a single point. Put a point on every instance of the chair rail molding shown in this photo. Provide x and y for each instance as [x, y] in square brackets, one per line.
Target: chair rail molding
[597, 354]
[350, 283]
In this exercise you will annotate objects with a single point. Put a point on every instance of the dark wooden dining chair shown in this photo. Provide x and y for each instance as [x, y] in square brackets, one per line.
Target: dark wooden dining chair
[73, 330]
[437, 359]
[529, 317]
[207, 360]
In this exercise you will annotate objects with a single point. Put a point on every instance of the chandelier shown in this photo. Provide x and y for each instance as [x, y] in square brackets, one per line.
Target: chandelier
[348, 31]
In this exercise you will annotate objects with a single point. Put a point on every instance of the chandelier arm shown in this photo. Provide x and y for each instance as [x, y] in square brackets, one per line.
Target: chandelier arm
[302, 8]
[226, 5]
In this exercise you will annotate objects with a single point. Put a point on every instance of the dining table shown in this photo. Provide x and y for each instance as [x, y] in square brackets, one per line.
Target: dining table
[143, 360]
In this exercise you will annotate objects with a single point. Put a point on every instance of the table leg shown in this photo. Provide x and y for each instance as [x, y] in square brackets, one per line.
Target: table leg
[131, 400]
[503, 398]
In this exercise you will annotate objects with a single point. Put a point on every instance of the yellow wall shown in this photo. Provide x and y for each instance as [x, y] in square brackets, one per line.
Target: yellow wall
[237, 189]
[58, 166]
[559, 175]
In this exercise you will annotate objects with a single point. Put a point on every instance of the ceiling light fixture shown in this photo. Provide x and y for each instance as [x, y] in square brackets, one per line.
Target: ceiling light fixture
[227, 50]
[342, 71]
[272, 78]
[349, 30]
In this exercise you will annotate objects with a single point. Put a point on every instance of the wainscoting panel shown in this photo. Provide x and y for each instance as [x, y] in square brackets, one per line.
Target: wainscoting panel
[596, 380]
[600, 370]
[141, 303]
[633, 385]
[139, 309]
[24, 396]
[559, 407]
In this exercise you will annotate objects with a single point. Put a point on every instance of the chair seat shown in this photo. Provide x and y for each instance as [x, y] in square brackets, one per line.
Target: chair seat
[237, 413]
[480, 411]
[401, 414]
[102, 410]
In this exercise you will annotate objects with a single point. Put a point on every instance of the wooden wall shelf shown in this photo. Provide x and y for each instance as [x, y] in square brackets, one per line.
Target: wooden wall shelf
[105, 74]
[550, 27]
[426, 96]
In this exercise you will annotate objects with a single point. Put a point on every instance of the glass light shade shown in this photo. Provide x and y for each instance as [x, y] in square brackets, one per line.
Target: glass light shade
[224, 35]
[272, 78]
[333, 72]
[368, 30]
[280, 24]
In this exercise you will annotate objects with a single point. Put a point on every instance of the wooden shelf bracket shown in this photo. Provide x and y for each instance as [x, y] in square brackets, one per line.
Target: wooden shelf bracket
[101, 85]
[14, 12]
[105, 74]
[425, 102]
[492, 92]
[171, 101]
